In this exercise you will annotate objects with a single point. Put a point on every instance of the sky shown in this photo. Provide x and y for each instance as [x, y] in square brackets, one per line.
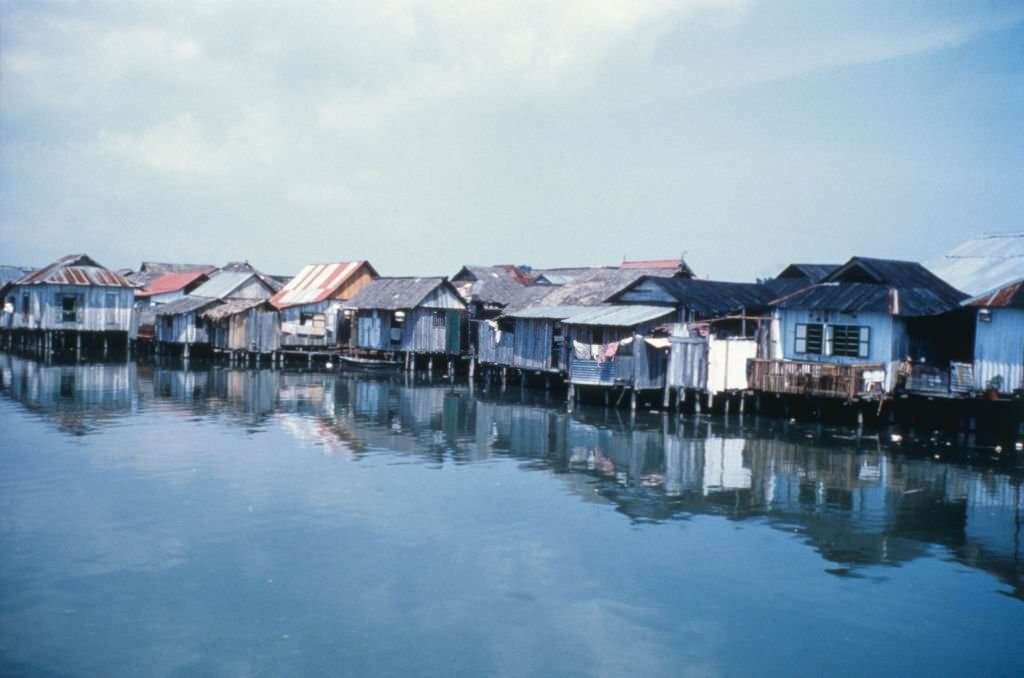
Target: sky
[422, 136]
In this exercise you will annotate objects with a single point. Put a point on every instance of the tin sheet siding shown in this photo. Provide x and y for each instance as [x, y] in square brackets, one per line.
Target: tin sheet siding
[420, 335]
[181, 329]
[98, 309]
[999, 349]
[688, 363]
[292, 315]
[443, 297]
[253, 289]
[532, 344]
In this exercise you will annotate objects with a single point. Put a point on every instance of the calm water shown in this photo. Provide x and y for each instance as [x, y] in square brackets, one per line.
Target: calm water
[157, 522]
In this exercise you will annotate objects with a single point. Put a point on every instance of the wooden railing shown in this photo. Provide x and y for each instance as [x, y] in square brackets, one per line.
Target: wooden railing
[818, 379]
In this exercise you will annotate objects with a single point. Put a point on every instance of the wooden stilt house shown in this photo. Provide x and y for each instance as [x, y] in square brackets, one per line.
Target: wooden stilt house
[310, 305]
[73, 297]
[184, 323]
[409, 315]
[863, 330]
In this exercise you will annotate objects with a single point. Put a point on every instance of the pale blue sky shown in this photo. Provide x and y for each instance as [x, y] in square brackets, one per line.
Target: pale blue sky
[426, 135]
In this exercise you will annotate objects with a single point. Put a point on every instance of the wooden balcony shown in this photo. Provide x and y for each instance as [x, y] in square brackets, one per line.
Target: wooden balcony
[824, 380]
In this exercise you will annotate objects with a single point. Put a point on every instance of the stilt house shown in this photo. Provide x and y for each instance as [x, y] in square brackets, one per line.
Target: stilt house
[310, 305]
[409, 315]
[74, 294]
[859, 328]
[182, 323]
[999, 339]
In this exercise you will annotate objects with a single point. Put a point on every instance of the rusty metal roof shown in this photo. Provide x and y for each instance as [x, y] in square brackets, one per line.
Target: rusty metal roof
[74, 269]
[317, 282]
[1010, 295]
[170, 282]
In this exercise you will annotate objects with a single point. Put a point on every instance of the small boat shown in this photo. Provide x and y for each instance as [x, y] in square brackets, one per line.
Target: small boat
[356, 361]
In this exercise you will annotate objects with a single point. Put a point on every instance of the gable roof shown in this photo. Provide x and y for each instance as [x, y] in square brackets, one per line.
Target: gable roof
[170, 282]
[1010, 295]
[317, 282]
[811, 272]
[893, 273]
[221, 285]
[489, 284]
[864, 297]
[245, 267]
[589, 287]
[709, 297]
[983, 262]
[74, 269]
[150, 271]
[393, 294]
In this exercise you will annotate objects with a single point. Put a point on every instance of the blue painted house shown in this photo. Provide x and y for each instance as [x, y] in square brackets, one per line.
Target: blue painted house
[999, 338]
[860, 328]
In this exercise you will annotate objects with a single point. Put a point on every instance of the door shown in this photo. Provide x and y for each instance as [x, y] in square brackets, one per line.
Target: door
[453, 332]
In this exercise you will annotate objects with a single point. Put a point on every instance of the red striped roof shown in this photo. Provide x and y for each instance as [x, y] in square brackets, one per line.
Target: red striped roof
[317, 282]
[74, 269]
[170, 282]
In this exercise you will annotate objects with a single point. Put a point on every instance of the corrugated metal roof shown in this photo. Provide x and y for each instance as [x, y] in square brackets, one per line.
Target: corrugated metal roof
[392, 294]
[711, 297]
[864, 297]
[589, 288]
[489, 284]
[74, 269]
[150, 271]
[222, 284]
[317, 282]
[982, 263]
[618, 315]
[170, 282]
[230, 307]
[811, 272]
[1010, 295]
[904, 275]
[186, 305]
[547, 312]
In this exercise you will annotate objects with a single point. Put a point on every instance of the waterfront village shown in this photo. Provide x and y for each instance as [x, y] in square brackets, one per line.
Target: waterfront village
[866, 337]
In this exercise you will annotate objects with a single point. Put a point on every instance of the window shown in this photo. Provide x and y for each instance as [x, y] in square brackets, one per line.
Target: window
[809, 338]
[68, 312]
[851, 341]
[439, 319]
[25, 303]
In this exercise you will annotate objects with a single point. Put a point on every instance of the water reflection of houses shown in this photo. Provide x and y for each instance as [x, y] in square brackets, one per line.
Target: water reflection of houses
[76, 398]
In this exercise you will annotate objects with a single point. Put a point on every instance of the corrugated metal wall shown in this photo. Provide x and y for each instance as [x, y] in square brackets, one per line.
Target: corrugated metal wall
[182, 329]
[688, 363]
[999, 349]
[97, 309]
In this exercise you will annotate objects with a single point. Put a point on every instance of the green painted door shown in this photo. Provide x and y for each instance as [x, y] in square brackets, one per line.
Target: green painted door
[452, 332]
